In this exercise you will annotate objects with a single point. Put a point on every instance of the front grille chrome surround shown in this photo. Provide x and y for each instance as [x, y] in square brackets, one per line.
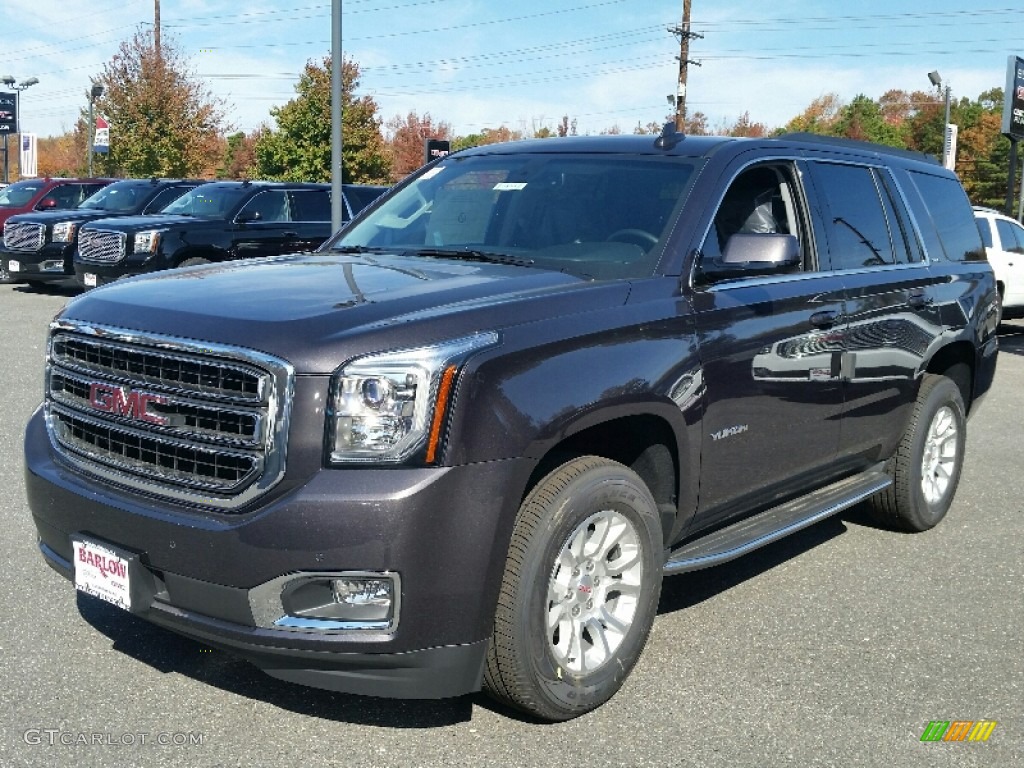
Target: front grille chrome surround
[23, 236]
[100, 246]
[181, 420]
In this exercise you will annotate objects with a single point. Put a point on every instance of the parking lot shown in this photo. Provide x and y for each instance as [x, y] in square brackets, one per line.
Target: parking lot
[834, 647]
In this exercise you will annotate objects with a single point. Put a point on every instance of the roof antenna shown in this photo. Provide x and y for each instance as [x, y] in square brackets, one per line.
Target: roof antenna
[669, 137]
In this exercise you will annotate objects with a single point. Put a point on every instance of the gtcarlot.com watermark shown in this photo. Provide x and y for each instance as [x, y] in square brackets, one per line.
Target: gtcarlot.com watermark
[52, 737]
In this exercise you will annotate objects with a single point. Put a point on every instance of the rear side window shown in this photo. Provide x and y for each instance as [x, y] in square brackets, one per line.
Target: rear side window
[1011, 236]
[862, 224]
[949, 214]
[311, 205]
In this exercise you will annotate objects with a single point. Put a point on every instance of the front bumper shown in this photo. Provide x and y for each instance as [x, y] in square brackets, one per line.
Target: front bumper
[46, 265]
[444, 530]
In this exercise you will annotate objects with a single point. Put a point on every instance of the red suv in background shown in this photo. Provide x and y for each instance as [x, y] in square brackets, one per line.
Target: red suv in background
[44, 195]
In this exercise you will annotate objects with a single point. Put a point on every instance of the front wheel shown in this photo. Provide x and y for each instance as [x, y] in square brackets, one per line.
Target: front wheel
[926, 466]
[580, 590]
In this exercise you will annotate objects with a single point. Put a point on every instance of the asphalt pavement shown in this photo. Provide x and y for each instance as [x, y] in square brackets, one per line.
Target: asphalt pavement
[835, 647]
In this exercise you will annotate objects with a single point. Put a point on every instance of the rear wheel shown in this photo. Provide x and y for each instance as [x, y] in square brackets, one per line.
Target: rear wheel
[926, 466]
[580, 590]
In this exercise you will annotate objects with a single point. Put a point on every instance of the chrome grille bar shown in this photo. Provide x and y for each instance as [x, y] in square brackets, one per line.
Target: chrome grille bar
[167, 417]
[19, 236]
[101, 247]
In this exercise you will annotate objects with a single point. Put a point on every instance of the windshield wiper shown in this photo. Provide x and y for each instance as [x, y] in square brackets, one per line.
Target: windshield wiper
[356, 249]
[469, 254]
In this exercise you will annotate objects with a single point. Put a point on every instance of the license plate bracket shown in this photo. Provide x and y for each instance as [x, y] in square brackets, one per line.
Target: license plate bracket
[110, 573]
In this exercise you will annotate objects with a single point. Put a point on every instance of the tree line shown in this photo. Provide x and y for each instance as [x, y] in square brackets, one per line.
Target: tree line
[166, 123]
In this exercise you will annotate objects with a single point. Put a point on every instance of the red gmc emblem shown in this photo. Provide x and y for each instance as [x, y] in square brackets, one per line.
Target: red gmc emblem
[121, 401]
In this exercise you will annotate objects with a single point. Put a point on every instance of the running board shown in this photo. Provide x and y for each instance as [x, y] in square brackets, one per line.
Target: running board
[753, 532]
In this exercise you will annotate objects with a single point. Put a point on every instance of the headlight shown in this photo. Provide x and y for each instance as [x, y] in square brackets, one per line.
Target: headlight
[386, 407]
[64, 231]
[146, 242]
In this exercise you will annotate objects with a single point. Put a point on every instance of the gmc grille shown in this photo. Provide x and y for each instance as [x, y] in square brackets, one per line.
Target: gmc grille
[20, 236]
[167, 417]
[101, 247]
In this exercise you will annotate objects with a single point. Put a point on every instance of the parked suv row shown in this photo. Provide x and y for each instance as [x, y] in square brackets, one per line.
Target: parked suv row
[48, 194]
[40, 247]
[462, 444]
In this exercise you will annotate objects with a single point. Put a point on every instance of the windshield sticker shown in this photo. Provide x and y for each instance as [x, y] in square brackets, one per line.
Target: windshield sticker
[509, 186]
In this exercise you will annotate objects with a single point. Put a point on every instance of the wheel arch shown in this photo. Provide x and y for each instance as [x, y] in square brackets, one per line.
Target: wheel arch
[956, 361]
[645, 442]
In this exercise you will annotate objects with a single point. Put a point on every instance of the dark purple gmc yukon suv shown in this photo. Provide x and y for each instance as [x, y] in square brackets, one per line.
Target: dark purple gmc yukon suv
[461, 445]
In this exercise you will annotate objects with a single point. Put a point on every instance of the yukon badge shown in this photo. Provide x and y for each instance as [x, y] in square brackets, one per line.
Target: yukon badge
[729, 432]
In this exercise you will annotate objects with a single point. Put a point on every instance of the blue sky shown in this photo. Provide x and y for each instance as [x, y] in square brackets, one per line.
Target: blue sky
[482, 63]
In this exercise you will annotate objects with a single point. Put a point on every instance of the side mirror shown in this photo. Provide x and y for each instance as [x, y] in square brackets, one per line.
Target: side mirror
[754, 254]
[248, 216]
[46, 204]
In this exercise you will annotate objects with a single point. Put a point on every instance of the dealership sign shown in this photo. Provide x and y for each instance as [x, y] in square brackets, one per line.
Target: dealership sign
[1013, 103]
[8, 112]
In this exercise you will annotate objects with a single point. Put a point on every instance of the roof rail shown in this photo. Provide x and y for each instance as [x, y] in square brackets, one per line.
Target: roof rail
[863, 146]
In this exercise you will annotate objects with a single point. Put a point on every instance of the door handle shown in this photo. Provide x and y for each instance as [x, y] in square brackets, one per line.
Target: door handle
[291, 234]
[824, 319]
[918, 299]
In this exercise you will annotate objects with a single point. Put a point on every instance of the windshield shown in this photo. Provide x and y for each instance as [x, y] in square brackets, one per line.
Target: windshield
[19, 194]
[120, 197]
[208, 201]
[591, 215]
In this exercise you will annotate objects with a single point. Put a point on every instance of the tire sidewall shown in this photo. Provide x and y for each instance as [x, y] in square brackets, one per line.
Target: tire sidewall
[927, 514]
[606, 488]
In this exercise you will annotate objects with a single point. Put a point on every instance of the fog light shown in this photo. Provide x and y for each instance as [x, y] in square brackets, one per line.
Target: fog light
[341, 601]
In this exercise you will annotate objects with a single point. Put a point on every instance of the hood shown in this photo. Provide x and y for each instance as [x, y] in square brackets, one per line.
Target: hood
[68, 214]
[155, 221]
[317, 310]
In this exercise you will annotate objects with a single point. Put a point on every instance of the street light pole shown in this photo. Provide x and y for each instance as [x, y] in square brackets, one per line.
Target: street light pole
[936, 80]
[94, 93]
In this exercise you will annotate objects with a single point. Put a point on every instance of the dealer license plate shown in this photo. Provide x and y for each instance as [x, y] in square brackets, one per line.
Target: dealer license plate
[90, 280]
[102, 573]
[13, 266]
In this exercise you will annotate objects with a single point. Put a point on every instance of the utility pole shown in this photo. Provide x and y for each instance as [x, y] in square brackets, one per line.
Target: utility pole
[684, 34]
[156, 27]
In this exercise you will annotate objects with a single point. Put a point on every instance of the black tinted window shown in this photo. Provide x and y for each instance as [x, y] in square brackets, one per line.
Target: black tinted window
[986, 231]
[856, 224]
[951, 216]
[311, 205]
[360, 197]
[164, 197]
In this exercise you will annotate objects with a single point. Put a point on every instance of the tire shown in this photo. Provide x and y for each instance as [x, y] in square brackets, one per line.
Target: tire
[925, 468]
[38, 285]
[193, 262]
[564, 591]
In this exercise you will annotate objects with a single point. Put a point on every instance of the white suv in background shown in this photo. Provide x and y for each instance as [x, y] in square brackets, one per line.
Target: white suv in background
[1004, 243]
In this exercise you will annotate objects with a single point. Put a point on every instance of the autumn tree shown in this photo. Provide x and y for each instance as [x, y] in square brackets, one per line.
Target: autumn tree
[239, 155]
[862, 119]
[299, 149]
[63, 155]
[163, 121]
[406, 137]
[819, 117]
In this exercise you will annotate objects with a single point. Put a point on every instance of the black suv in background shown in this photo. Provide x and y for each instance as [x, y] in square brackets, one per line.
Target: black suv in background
[39, 247]
[215, 222]
[462, 444]
[47, 194]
